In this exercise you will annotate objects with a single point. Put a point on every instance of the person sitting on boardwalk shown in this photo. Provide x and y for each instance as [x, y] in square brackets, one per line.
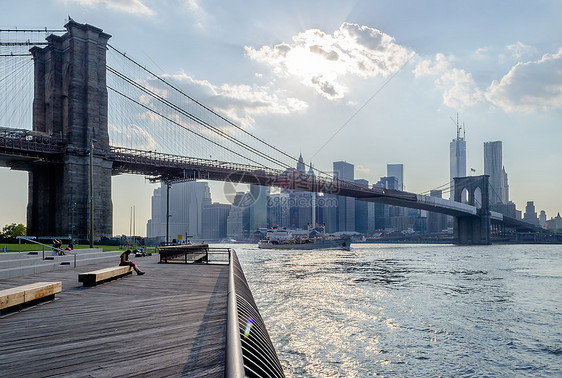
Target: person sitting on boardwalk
[125, 261]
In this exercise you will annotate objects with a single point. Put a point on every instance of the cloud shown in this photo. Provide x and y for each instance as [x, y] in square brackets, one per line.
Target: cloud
[530, 86]
[240, 102]
[458, 86]
[459, 89]
[519, 49]
[515, 52]
[128, 6]
[432, 67]
[193, 5]
[132, 136]
[322, 61]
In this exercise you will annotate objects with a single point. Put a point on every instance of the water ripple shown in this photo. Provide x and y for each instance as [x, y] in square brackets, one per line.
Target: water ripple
[411, 310]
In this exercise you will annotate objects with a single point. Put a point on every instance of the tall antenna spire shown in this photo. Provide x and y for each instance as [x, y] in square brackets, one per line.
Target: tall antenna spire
[459, 127]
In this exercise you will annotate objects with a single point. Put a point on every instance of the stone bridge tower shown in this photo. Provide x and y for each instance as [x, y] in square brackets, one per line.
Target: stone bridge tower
[70, 100]
[473, 190]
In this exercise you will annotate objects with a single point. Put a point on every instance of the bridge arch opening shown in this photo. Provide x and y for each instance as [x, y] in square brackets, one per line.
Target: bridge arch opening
[477, 198]
[464, 196]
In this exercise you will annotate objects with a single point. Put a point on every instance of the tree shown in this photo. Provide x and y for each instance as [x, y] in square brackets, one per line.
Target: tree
[13, 230]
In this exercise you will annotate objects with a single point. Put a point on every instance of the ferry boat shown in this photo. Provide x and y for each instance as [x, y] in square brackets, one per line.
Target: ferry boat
[282, 238]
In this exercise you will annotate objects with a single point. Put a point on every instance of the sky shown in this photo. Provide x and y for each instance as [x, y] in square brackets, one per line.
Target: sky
[367, 82]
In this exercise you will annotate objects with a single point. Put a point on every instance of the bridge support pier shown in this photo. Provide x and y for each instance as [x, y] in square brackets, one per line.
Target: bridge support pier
[70, 100]
[473, 229]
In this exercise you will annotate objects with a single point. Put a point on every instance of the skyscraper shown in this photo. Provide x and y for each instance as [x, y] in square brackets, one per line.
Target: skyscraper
[345, 212]
[499, 188]
[258, 209]
[436, 222]
[214, 220]
[187, 200]
[238, 220]
[364, 212]
[457, 158]
[530, 214]
[396, 170]
[300, 209]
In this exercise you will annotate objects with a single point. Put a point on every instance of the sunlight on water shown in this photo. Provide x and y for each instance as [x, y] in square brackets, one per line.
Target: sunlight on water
[411, 310]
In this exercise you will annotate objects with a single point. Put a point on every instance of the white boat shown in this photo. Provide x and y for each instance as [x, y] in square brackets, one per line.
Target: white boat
[282, 238]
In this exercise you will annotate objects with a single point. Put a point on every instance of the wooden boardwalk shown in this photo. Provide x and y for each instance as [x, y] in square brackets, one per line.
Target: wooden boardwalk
[169, 322]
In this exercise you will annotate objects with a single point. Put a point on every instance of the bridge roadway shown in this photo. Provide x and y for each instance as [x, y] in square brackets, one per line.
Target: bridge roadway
[169, 322]
[172, 167]
[19, 148]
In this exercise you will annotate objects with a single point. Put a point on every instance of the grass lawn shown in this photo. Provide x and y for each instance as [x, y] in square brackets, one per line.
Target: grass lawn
[36, 247]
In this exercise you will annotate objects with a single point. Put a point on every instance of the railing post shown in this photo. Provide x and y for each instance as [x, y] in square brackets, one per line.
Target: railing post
[234, 360]
[43, 252]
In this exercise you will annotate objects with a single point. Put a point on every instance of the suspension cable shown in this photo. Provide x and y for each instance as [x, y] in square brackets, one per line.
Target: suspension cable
[180, 125]
[203, 106]
[196, 119]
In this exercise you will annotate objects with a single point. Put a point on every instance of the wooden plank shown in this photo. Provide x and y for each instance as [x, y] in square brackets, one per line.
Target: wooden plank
[169, 322]
[42, 289]
[11, 298]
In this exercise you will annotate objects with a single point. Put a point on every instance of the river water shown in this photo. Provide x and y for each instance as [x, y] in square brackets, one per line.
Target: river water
[411, 310]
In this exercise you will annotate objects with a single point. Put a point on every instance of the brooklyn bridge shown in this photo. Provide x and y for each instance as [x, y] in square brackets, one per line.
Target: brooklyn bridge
[80, 82]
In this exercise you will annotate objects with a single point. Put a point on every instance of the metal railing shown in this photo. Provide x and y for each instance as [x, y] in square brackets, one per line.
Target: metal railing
[28, 141]
[194, 254]
[258, 357]
[234, 361]
[58, 250]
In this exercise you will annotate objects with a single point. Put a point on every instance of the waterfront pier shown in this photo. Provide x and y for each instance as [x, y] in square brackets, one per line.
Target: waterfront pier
[171, 321]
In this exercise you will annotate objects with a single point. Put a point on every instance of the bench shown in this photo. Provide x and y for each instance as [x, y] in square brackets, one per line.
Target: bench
[28, 293]
[96, 276]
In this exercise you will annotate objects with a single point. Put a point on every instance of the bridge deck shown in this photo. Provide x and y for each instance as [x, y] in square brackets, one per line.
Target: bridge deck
[171, 321]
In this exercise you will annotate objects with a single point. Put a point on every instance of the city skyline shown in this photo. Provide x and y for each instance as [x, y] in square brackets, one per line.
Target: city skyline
[327, 98]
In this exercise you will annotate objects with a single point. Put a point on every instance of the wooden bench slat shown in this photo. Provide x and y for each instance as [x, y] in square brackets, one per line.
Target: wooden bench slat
[26, 293]
[12, 299]
[93, 277]
[50, 288]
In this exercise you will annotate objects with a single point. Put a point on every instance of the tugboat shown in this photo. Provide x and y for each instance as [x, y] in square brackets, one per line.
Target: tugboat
[282, 238]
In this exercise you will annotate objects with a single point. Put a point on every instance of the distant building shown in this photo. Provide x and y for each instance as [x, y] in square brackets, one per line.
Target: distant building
[278, 210]
[397, 171]
[542, 219]
[554, 224]
[364, 212]
[493, 166]
[238, 221]
[384, 212]
[258, 208]
[215, 217]
[457, 158]
[400, 217]
[530, 215]
[155, 226]
[507, 209]
[186, 203]
[300, 202]
[345, 211]
[436, 222]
